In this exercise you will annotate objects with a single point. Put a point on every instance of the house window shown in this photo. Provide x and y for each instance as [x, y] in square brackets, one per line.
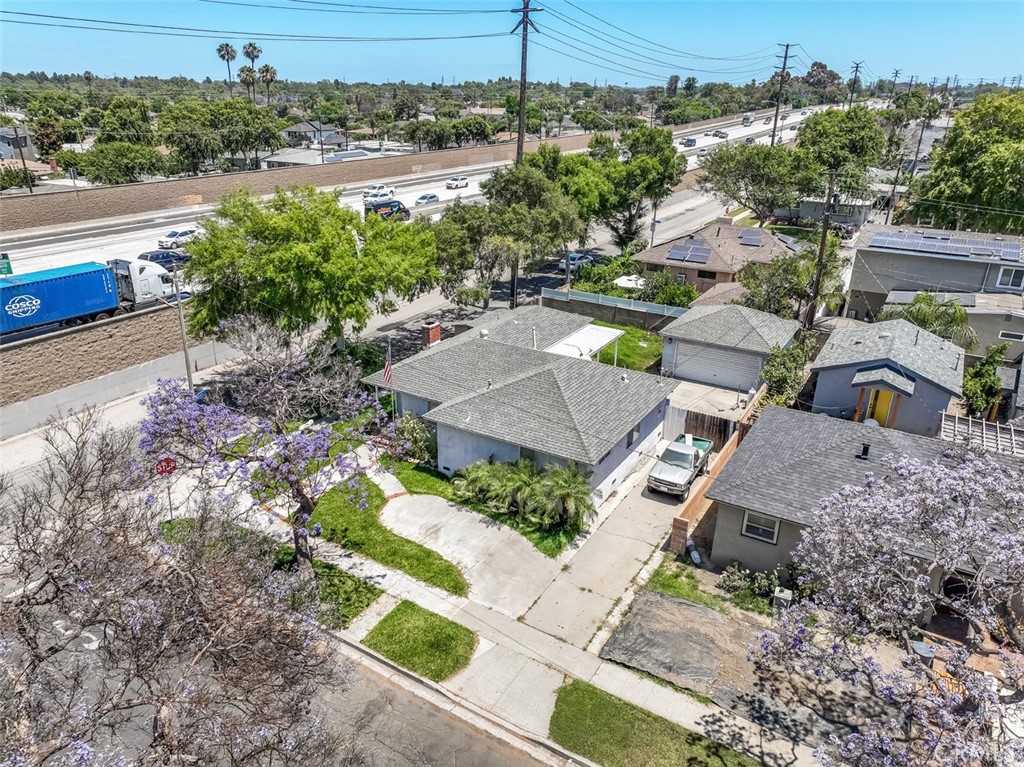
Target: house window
[1010, 278]
[705, 275]
[655, 267]
[634, 435]
[761, 527]
[527, 454]
[1010, 335]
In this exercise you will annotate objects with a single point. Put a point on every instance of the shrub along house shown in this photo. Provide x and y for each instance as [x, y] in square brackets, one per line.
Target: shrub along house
[893, 373]
[524, 386]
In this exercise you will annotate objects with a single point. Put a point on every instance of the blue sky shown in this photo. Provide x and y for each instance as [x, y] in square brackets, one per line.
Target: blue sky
[970, 38]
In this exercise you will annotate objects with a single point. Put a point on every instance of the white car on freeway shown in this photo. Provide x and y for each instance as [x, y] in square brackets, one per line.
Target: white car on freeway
[383, 192]
[177, 238]
[378, 196]
[457, 182]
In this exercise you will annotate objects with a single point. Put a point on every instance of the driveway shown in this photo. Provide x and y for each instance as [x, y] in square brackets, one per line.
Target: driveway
[504, 570]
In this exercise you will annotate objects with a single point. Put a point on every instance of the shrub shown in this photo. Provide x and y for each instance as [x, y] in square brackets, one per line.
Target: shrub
[411, 440]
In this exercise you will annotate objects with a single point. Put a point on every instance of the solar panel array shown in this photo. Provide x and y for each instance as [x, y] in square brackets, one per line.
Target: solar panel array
[693, 251]
[903, 297]
[947, 243]
[753, 237]
[789, 242]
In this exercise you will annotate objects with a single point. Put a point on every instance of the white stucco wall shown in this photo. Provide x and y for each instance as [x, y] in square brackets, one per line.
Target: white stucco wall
[457, 449]
[415, 405]
[622, 460]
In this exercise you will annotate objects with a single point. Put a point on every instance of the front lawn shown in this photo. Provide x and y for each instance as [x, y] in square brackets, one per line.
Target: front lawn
[343, 597]
[676, 577]
[420, 480]
[615, 733]
[422, 641]
[638, 349]
[350, 518]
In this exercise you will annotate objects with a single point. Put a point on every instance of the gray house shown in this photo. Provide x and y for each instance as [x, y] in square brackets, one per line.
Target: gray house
[785, 466]
[892, 258]
[508, 389]
[893, 373]
[723, 345]
[10, 144]
[308, 130]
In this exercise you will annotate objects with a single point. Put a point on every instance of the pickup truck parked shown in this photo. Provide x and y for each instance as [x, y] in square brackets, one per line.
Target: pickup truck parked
[680, 464]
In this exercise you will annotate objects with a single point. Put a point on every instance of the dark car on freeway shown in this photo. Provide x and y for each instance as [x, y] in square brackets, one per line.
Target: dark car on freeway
[171, 260]
[388, 209]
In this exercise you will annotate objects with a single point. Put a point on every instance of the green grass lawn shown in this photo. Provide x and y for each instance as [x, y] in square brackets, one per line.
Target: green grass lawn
[422, 641]
[358, 529]
[343, 597]
[632, 354]
[615, 733]
[800, 232]
[676, 578]
[420, 480]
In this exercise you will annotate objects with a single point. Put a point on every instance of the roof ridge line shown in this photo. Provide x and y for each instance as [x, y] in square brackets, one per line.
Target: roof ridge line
[554, 369]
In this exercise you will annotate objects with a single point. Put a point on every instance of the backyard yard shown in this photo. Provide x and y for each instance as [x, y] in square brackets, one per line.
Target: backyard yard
[638, 349]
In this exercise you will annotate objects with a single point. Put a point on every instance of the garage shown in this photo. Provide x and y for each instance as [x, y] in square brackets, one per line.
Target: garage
[715, 365]
[724, 346]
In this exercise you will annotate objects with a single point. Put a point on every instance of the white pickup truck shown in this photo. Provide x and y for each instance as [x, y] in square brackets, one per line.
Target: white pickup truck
[379, 192]
[682, 461]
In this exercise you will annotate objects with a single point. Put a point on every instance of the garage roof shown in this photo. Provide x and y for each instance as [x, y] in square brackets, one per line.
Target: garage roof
[733, 327]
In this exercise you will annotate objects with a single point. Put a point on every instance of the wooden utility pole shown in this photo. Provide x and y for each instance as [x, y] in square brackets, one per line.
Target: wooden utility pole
[778, 94]
[855, 82]
[831, 200]
[892, 90]
[24, 165]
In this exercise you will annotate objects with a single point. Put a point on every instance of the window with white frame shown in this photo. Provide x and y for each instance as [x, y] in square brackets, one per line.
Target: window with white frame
[1010, 277]
[1011, 335]
[759, 526]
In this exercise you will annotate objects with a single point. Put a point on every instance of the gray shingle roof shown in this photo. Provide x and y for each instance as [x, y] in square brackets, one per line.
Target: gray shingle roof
[790, 461]
[499, 386]
[732, 326]
[728, 253]
[915, 352]
[884, 375]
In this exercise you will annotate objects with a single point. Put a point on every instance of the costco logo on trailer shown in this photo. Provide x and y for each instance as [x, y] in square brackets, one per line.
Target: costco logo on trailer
[23, 306]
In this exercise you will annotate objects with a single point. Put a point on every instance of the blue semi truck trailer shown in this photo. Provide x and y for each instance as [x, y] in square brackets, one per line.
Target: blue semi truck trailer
[71, 295]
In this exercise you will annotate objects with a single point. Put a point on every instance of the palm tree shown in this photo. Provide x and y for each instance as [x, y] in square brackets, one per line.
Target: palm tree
[247, 77]
[268, 76]
[518, 488]
[88, 77]
[227, 54]
[252, 52]
[570, 494]
[946, 319]
[476, 481]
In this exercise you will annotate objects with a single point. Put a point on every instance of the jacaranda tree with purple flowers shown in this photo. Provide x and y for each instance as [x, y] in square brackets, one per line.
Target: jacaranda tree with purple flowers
[941, 539]
[280, 424]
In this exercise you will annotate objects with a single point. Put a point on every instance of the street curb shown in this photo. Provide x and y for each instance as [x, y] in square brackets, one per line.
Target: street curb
[541, 748]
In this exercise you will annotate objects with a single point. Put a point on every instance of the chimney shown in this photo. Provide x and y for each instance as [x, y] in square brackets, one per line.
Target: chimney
[865, 448]
[430, 334]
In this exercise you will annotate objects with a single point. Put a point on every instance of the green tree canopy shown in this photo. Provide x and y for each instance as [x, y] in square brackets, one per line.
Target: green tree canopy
[119, 162]
[977, 175]
[848, 140]
[300, 258]
[59, 103]
[982, 383]
[126, 120]
[188, 128]
[947, 319]
[784, 286]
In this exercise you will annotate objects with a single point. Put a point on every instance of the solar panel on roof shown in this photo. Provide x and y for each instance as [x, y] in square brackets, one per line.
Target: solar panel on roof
[699, 256]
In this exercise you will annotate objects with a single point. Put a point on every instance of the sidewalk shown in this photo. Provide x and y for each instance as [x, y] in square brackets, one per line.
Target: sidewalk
[519, 666]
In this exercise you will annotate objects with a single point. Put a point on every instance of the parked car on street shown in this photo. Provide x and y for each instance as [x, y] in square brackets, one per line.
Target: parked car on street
[575, 261]
[681, 462]
[177, 238]
[427, 199]
[171, 260]
[457, 182]
[383, 191]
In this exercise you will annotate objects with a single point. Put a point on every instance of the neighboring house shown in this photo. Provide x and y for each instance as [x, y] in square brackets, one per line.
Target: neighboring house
[997, 318]
[851, 212]
[285, 158]
[892, 258]
[521, 385]
[9, 144]
[787, 463]
[714, 254]
[894, 373]
[308, 131]
[722, 293]
[725, 345]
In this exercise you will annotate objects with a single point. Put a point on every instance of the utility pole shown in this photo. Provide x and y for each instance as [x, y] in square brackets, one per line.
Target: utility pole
[24, 165]
[778, 95]
[184, 335]
[524, 25]
[855, 83]
[831, 204]
[931, 88]
[892, 192]
[892, 90]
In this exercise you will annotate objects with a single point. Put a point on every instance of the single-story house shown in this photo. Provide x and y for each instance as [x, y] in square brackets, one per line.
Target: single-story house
[852, 211]
[715, 253]
[12, 147]
[892, 373]
[522, 385]
[788, 462]
[724, 345]
[308, 130]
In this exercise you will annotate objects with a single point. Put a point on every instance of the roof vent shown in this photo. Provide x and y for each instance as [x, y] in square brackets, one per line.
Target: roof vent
[885, 335]
[484, 332]
[624, 378]
[865, 448]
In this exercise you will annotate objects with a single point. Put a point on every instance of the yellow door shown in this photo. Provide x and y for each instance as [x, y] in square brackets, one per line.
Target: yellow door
[881, 404]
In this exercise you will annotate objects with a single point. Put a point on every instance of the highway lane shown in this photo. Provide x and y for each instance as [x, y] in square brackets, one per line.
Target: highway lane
[104, 240]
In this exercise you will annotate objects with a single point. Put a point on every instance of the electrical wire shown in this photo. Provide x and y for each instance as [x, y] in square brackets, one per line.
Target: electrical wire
[398, 9]
[352, 9]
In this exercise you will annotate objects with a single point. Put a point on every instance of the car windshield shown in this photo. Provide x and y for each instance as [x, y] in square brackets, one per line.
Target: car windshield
[674, 456]
[172, 234]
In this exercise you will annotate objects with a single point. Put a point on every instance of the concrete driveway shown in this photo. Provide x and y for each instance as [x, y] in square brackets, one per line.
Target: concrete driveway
[504, 570]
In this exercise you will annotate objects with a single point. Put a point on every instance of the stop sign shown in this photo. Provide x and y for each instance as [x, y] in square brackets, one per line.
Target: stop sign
[165, 466]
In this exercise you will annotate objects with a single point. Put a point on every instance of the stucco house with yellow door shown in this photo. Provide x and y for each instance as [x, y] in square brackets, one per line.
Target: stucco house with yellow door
[891, 373]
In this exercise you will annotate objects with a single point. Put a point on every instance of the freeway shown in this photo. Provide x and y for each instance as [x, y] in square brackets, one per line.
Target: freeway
[127, 237]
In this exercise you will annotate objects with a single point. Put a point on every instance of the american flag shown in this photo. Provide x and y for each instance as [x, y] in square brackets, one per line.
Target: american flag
[387, 365]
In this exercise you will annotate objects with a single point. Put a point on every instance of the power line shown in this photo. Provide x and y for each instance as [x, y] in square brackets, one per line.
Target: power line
[354, 9]
[390, 8]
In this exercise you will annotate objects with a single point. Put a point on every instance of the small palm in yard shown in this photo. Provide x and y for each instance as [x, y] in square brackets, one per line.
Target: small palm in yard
[568, 497]
[518, 488]
[477, 482]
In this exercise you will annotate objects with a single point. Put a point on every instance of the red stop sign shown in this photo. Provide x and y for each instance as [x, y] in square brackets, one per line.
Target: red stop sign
[166, 466]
